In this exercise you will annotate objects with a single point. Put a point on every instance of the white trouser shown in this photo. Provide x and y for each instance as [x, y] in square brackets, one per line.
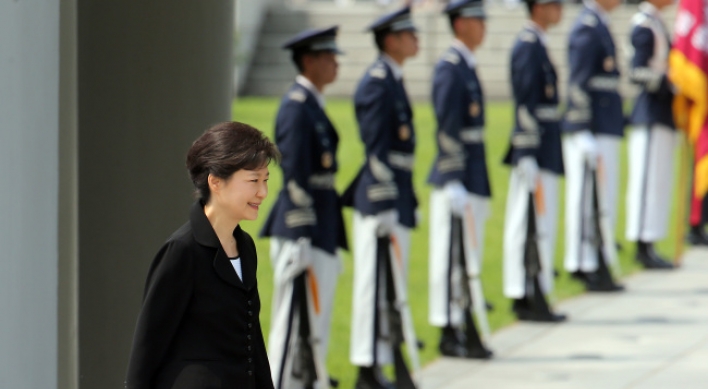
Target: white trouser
[651, 163]
[580, 253]
[364, 299]
[323, 273]
[445, 288]
[515, 224]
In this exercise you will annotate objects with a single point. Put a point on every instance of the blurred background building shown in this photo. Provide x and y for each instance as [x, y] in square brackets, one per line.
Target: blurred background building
[266, 70]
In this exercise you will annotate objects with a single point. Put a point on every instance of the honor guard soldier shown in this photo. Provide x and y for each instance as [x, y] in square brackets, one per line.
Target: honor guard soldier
[305, 224]
[593, 126]
[652, 138]
[384, 203]
[459, 202]
[536, 157]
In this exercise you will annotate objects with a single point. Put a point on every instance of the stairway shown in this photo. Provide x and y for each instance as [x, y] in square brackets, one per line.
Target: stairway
[272, 71]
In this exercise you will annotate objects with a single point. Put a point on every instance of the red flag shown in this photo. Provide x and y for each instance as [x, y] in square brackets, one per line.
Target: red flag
[688, 64]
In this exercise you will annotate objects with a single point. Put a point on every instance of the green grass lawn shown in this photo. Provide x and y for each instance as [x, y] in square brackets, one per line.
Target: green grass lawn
[260, 112]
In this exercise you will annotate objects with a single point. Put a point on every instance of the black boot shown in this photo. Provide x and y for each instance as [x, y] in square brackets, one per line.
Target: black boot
[372, 378]
[455, 343]
[599, 280]
[452, 343]
[536, 308]
[649, 258]
[697, 236]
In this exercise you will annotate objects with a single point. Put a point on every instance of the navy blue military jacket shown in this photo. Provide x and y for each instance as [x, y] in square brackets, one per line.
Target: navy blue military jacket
[593, 100]
[385, 122]
[534, 85]
[308, 205]
[651, 44]
[458, 100]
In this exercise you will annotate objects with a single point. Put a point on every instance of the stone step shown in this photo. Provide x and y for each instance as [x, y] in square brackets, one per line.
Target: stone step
[272, 71]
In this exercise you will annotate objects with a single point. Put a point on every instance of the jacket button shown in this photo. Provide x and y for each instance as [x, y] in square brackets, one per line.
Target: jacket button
[250, 360]
[249, 348]
[250, 313]
[250, 302]
[250, 325]
[248, 337]
[250, 372]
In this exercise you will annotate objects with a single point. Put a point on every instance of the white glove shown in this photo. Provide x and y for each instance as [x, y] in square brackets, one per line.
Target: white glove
[386, 220]
[457, 195]
[585, 141]
[528, 170]
[299, 259]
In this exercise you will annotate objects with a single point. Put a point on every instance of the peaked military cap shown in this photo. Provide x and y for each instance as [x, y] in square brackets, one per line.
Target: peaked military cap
[321, 39]
[393, 22]
[466, 9]
[532, 2]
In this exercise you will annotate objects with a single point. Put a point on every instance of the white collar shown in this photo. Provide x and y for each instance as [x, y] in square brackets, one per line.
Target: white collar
[649, 8]
[592, 4]
[539, 31]
[467, 54]
[395, 67]
[307, 84]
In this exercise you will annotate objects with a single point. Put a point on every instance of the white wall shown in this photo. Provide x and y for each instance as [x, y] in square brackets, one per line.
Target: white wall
[29, 90]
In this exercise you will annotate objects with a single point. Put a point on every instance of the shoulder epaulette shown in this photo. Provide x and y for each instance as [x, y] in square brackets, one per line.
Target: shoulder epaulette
[452, 57]
[641, 19]
[590, 20]
[378, 71]
[527, 36]
[297, 95]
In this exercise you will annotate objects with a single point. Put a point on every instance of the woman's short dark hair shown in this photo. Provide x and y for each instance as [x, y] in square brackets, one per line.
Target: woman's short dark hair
[224, 149]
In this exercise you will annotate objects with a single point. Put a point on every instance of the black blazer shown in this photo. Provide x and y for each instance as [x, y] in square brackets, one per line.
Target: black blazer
[199, 326]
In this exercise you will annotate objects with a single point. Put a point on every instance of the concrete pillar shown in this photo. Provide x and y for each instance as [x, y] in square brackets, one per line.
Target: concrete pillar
[29, 91]
[152, 75]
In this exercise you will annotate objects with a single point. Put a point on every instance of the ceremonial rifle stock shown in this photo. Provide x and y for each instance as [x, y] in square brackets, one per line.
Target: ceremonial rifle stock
[474, 284]
[600, 233]
[532, 260]
[399, 318]
[313, 308]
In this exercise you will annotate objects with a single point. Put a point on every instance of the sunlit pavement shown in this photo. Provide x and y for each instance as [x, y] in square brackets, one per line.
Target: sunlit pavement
[653, 335]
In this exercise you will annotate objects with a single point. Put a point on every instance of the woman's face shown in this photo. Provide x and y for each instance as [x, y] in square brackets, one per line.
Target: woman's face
[240, 195]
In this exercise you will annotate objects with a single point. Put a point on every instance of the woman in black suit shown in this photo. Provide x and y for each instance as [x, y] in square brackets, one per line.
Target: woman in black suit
[199, 326]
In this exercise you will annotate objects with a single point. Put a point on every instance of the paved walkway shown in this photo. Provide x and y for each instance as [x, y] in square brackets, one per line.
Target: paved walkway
[654, 335]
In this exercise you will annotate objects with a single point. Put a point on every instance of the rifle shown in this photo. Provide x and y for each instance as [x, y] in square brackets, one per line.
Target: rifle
[532, 260]
[474, 283]
[399, 316]
[605, 225]
[308, 364]
[600, 235]
[532, 264]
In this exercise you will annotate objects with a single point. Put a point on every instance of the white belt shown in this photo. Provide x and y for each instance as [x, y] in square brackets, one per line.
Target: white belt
[548, 113]
[472, 135]
[402, 161]
[321, 181]
[604, 83]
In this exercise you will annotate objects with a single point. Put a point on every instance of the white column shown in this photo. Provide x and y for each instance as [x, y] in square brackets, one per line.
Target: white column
[29, 128]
